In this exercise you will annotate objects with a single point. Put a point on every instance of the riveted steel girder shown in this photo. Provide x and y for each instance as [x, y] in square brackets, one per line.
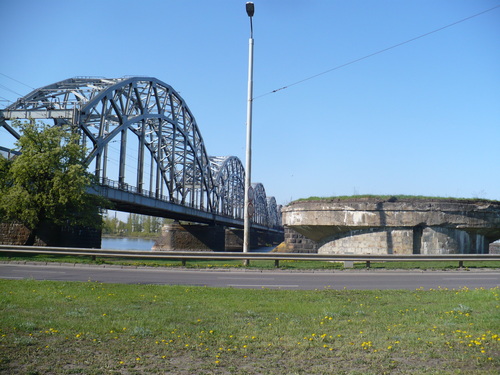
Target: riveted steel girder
[146, 127]
[229, 178]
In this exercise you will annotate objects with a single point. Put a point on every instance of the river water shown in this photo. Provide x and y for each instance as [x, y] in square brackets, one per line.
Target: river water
[125, 243]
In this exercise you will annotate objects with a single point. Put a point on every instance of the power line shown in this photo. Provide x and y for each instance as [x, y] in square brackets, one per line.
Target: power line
[6, 88]
[5, 75]
[5, 99]
[378, 52]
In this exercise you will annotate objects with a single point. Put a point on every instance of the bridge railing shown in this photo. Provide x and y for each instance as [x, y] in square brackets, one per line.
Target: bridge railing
[104, 181]
[145, 193]
[277, 257]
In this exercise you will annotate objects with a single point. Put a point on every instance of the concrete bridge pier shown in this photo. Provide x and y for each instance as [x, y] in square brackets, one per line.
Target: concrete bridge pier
[258, 238]
[49, 234]
[198, 237]
[234, 239]
[194, 237]
[374, 225]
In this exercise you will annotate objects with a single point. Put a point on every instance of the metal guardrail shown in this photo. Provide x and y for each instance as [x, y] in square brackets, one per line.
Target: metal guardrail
[208, 255]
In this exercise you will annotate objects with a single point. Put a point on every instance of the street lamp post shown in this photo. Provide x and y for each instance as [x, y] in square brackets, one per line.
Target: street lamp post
[248, 168]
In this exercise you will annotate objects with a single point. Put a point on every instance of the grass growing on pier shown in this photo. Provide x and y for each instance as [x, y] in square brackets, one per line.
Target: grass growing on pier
[91, 328]
[391, 198]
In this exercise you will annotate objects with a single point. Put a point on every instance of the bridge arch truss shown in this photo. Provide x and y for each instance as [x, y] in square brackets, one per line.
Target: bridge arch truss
[140, 136]
[229, 178]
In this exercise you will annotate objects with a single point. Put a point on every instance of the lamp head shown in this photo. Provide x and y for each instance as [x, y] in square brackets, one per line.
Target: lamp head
[250, 9]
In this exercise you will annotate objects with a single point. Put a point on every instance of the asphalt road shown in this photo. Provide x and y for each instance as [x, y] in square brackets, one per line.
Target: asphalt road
[306, 280]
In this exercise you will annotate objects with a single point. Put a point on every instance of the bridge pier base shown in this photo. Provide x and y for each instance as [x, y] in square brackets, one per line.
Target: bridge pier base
[258, 238]
[193, 237]
[234, 239]
[49, 235]
[198, 237]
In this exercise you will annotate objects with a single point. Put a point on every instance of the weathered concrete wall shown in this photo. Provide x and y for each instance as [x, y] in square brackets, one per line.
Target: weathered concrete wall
[258, 238]
[177, 237]
[235, 237]
[441, 240]
[495, 248]
[392, 241]
[14, 234]
[234, 240]
[298, 243]
[363, 226]
[428, 240]
[273, 238]
[50, 235]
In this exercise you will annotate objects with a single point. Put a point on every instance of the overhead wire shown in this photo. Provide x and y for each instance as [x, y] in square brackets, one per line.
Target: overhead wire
[5, 99]
[22, 83]
[9, 89]
[12, 91]
[377, 52]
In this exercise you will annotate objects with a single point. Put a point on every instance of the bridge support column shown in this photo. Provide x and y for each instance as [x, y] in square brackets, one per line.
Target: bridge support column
[234, 239]
[273, 238]
[297, 243]
[49, 234]
[258, 238]
[194, 237]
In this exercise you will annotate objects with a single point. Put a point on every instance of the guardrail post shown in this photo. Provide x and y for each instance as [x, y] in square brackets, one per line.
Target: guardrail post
[368, 265]
[460, 264]
[276, 263]
[183, 261]
[348, 263]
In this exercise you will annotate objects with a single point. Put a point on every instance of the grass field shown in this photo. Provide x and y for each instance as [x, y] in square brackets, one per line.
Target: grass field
[93, 328]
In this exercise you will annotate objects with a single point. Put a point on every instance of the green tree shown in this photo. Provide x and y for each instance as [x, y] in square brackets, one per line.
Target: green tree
[151, 224]
[48, 181]
[110, 225]
[134, 223]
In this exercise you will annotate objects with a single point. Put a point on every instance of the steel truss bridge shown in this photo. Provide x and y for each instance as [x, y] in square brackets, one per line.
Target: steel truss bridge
[143, 144]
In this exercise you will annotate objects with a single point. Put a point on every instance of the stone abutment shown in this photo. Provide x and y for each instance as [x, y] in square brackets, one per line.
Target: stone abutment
[49, 235]
[200, 237]
[392, 226]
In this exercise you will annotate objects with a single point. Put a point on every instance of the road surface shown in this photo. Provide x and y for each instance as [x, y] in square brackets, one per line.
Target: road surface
[255, 279]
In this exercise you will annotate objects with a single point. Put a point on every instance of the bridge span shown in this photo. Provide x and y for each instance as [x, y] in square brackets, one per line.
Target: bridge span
[145, 148]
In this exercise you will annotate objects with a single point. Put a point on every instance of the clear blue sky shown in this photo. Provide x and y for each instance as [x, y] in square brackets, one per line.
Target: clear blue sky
[421, 119]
